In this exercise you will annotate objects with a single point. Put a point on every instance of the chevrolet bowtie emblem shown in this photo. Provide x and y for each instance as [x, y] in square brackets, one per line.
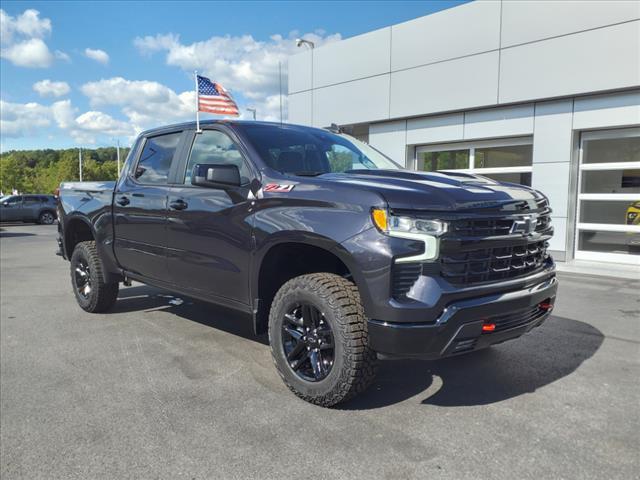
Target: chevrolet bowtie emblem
[525, 225]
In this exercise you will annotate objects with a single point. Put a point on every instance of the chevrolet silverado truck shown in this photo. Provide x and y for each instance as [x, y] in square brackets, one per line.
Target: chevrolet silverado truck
[336, 251]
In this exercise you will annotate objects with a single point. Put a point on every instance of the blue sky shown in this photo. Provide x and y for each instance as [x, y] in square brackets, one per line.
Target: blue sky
[86, 73]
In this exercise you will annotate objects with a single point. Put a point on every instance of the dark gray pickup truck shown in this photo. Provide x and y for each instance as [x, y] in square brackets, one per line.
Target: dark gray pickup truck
[334, 249]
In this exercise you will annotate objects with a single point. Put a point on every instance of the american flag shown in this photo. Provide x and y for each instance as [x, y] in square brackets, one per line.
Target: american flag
[213, 98]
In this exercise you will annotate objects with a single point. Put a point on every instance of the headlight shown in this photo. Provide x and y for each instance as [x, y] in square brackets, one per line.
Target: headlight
[411, 228]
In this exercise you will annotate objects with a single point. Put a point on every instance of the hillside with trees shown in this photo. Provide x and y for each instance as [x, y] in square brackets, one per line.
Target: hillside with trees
[42, 171]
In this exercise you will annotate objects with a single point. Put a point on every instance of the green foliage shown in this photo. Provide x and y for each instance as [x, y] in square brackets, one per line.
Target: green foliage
[42, 171]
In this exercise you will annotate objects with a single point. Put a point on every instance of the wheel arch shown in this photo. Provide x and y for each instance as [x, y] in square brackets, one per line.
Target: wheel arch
[76, 230]
[285, 257]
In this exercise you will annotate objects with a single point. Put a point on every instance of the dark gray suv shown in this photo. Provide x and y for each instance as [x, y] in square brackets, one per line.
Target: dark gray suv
[28, 208]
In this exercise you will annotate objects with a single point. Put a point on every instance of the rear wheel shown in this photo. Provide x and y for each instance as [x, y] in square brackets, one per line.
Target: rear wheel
[319, 340]
[46, 218]
[92, 293]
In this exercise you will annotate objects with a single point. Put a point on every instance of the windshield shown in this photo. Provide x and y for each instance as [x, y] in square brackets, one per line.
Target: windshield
[310, 151]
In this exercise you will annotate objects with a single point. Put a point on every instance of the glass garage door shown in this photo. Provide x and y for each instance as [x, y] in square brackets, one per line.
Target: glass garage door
[507, 160]
[608, 209]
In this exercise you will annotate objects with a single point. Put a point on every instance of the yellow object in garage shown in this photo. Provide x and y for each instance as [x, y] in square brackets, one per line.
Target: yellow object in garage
[633, 214]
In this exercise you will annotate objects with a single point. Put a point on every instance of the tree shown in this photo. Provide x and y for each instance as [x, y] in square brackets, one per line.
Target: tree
[42, 171]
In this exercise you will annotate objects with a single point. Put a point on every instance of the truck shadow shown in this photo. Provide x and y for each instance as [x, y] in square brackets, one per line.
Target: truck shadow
[552, 351]
[141, 298]
[4, 234]
[548, 353]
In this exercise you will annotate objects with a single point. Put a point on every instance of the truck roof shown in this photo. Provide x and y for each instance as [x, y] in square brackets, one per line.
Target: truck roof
[184, 125]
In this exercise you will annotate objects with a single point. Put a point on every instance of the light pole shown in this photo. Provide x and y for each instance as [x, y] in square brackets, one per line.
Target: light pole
[118, 155]
[308, 43]
[252, 110]
[80, 162]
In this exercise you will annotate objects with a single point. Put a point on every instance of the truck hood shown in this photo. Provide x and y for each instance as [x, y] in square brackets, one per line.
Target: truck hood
[409, 190]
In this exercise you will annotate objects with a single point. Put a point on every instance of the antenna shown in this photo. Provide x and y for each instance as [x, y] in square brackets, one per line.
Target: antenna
[280, 78]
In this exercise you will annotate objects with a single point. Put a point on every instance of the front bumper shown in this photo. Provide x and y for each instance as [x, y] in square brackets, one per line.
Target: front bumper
[459, 326]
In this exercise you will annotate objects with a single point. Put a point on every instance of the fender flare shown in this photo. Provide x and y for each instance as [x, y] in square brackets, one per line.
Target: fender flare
[304, 238]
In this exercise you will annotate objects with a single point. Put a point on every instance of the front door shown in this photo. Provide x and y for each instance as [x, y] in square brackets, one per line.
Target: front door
[11, 209]
[140, 208]
[209, 237]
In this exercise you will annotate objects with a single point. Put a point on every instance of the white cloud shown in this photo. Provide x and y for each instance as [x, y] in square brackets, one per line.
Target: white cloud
[242, 64]
[100, 122]
[21, 119]
[47, 88]
[99, 56]
[21, 39]
[63, 113]
[145, 103]
[32, 53]
[24, 119]
[28, 24]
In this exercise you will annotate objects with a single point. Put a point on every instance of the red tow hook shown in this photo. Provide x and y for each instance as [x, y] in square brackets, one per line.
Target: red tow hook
[488, 327]
[546, 305]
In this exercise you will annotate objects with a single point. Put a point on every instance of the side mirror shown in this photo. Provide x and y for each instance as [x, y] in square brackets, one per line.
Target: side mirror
[215, 175]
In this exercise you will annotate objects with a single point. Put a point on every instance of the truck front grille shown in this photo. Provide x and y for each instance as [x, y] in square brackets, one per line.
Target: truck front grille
[495, 227]
[491, 264]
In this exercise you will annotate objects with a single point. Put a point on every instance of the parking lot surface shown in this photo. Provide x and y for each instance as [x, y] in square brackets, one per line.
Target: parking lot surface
[165, 389]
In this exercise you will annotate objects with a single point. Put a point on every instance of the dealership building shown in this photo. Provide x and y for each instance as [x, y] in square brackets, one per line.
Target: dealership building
[546, 94]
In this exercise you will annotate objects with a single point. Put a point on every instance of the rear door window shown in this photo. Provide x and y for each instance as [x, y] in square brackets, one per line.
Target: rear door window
[30, 201]
[155, 160]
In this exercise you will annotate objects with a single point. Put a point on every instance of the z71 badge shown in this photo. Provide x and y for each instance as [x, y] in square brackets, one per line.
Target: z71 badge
[274, 187]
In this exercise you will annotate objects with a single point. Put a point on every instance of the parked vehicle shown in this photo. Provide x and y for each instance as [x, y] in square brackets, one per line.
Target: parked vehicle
[331, 247]
[28, 208]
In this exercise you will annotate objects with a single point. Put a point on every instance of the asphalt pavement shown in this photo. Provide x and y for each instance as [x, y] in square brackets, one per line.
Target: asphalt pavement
[167, 388]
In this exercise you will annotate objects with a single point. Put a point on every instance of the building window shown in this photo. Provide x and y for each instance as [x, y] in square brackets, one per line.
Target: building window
[608, 208]
[507, 160]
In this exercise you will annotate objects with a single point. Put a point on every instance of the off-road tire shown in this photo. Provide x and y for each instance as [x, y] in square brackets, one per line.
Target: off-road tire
[102, 295]
[46, 218]
[354, 364]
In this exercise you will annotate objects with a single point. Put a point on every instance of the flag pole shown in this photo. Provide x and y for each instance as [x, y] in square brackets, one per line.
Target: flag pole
[280, 79]
[195, 77]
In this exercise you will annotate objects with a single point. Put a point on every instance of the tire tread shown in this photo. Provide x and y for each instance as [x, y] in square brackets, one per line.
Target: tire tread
[361, 361]
[106, 293]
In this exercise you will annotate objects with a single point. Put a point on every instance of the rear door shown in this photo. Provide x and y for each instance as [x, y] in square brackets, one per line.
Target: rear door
[209, 235]
[140, 207]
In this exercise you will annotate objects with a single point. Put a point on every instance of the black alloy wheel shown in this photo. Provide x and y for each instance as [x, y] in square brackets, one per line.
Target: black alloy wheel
[82, 277]
[308, 342]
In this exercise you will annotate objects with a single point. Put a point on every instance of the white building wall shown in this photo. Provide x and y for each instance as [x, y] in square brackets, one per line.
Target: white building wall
[480, 54]
[595, 60]
[390, 138]
[431, 39]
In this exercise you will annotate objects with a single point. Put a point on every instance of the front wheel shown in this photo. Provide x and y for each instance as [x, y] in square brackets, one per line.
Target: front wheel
[92, 293]
[319, 340]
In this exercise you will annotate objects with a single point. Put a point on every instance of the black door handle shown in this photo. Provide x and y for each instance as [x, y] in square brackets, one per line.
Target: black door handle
[123, 201]
[178, 204]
